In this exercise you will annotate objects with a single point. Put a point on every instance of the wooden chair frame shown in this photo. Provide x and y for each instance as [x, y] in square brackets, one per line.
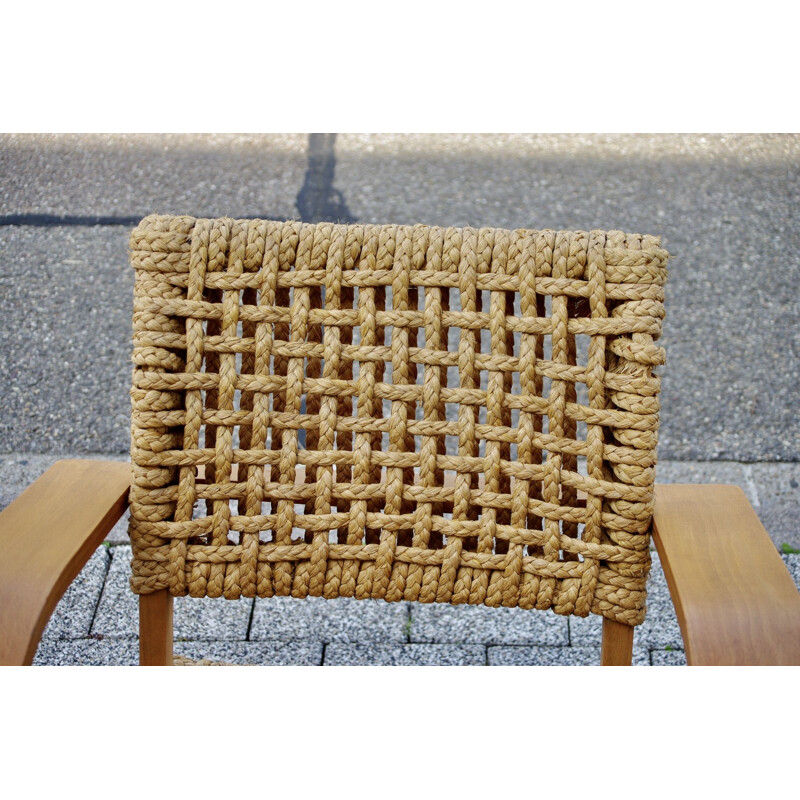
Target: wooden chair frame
[735, 600]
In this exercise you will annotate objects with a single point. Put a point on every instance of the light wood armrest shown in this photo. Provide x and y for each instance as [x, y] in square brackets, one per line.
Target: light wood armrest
[46, 537]
[735, 600]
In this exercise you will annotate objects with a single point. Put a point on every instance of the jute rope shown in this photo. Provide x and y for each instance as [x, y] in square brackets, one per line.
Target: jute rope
[398, 412]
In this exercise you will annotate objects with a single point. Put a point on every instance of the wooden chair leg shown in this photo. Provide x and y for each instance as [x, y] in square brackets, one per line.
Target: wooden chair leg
[617, 644]
[155, 629]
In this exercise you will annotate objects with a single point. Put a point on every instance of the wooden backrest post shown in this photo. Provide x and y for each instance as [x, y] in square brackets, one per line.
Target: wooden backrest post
[155, 629]
[617, 649]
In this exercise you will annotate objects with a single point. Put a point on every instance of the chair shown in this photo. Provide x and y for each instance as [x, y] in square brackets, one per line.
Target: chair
[401, 413]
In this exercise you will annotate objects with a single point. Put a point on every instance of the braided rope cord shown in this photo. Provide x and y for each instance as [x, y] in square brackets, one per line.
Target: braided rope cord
[396, 412]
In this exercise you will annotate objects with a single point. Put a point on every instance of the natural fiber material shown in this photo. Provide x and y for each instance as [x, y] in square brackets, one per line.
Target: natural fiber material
[397, 412]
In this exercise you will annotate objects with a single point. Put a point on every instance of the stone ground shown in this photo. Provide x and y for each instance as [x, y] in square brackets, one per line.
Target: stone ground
[725, 206]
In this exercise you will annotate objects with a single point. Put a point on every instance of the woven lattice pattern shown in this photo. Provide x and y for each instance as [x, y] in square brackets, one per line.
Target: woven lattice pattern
[407, 413]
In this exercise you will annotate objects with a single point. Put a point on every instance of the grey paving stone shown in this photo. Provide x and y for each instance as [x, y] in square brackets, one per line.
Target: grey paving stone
[465, 624]
[641, 656]
[780, 522]
[556, 656]
[137, 174]
[118, 611]
[779, 492]
[668, 658]
[18, 471]
[125, 652]
[340, 619]
[194, 618]
[404, 655]
[793, 565]
[741, 147]
[272, 654]
[546, 180]
[206, 618]
[88, 653]
[66, 299]
[72, 618]
[586, 631]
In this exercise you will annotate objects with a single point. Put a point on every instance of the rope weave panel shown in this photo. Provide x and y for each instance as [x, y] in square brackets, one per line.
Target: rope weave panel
[396, 412]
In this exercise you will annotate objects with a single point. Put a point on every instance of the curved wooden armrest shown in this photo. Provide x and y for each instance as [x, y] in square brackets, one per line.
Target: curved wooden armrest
[735, 600]
[46, 536]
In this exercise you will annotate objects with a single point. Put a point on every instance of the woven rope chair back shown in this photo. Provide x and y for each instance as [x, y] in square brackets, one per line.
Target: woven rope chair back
[398, 412]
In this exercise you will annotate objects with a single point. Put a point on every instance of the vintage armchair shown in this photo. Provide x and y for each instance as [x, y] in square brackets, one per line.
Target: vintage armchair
[401, 413]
